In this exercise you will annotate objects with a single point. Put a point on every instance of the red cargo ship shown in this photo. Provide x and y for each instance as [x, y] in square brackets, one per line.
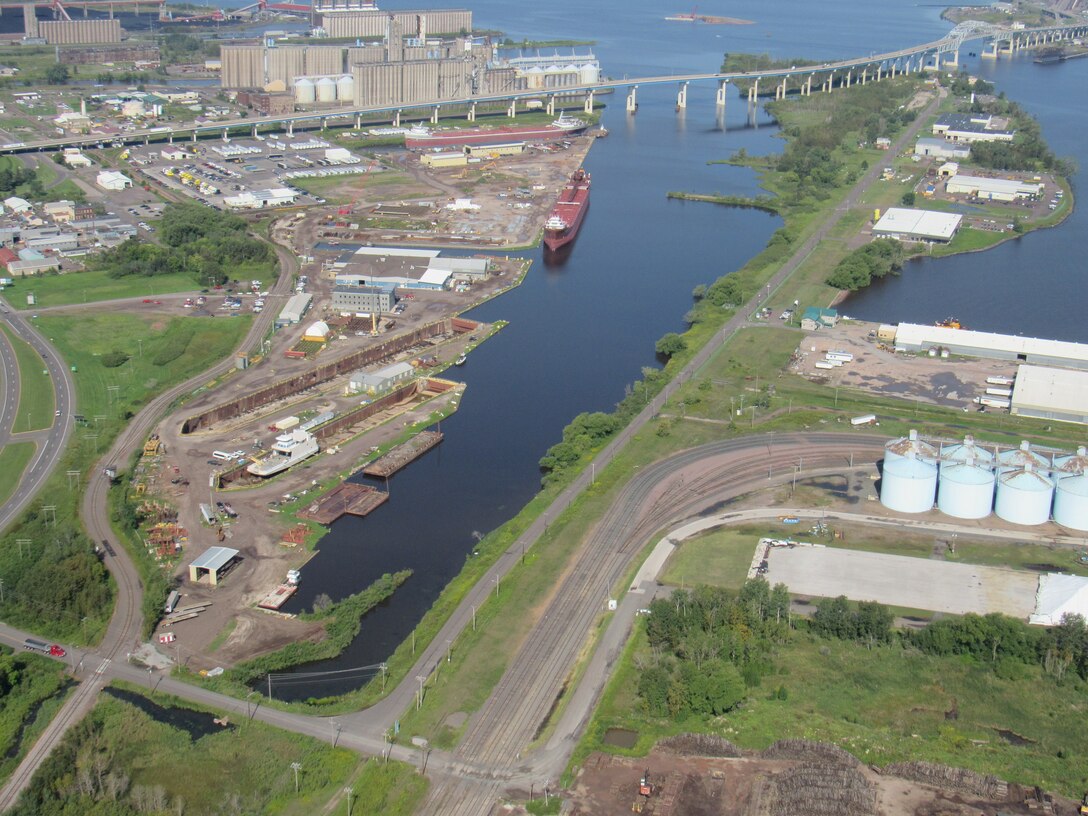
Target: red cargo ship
[560, 129]
[569, 210]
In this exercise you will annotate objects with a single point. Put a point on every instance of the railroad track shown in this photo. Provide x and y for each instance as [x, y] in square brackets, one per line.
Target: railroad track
[664, 493]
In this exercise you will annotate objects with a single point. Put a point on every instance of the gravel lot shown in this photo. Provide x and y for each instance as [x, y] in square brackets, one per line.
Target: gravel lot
[897, 580]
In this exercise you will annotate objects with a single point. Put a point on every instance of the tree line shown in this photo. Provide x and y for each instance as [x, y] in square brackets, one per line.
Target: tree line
[876, 259]
[709, 647]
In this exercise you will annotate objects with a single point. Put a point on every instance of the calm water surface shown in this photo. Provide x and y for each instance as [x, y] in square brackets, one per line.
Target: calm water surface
[581, 332]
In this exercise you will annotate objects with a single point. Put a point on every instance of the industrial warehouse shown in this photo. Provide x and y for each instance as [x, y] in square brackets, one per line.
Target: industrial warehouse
[917, 225]
[913, 337]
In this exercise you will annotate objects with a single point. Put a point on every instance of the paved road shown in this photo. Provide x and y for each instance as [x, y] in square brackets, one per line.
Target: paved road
[125, 626]
[51, 448]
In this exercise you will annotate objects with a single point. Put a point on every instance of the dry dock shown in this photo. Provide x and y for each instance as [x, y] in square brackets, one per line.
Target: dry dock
[402, 455]
[356, 499]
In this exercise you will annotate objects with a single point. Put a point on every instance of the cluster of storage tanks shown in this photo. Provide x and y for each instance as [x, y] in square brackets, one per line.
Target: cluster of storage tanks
[324, 89]
[1021, 485]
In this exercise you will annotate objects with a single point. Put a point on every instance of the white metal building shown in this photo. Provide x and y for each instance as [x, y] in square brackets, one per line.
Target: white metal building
[295, 309]
[1051, 393]
[381, 380]
[214, 564]
[941, 148]
[113, 180]
[993, 189]
[1060, 595]
[917, 225]
[260, 199]
[913, 337]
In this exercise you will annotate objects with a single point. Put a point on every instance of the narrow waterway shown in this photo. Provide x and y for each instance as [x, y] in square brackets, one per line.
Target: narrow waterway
[581, 332]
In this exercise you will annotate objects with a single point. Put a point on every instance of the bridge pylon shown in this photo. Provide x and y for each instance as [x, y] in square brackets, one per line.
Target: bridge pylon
[682, 96]
[632, 100]
[588, 108]
[719, 97]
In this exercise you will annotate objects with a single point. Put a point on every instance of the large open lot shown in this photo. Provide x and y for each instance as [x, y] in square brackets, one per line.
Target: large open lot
[902, 581]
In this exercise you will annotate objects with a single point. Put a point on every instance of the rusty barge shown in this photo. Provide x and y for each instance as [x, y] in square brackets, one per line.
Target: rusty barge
[403, 455]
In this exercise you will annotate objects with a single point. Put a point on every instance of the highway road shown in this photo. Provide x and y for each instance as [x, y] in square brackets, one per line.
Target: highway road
[51, 444]
[124, 631]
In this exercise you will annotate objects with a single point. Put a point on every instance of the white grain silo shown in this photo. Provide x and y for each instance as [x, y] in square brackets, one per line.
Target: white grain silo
[908, 484]
[534, 78]
[966, 451]
[911, 444]
[325, 89]
[588, 74]
[1024, 496]
[304, 91]
[1021, 457]
[345, 88]
[966, 489]
[1071, 502]
[1071, 464]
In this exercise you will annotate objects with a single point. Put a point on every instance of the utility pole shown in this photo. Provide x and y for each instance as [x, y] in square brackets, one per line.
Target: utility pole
[350, 793]
[296, 767]
[383, 667]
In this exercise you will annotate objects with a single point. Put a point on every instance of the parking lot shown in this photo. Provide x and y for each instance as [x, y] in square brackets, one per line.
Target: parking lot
[896, 580]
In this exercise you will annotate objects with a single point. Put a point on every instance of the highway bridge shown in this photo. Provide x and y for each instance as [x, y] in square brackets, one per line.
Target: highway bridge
[843, 73]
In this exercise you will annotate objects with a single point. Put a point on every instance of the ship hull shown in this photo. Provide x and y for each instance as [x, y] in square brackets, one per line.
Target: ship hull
[569, 212]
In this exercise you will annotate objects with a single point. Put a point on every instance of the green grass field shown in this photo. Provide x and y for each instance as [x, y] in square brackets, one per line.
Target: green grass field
[885, 705]
[36, 401]
[161, 746]
[719, 558]
[14, 457]
[92, 286]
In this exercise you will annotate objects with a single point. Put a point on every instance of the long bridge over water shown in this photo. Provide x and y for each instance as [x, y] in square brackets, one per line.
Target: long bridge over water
[939, 54]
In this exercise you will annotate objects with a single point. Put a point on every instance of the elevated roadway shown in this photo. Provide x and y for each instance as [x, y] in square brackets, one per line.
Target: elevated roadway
[904, 60]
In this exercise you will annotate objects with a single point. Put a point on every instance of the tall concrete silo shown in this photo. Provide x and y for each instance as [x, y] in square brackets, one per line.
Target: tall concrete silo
[908, 484]
[1071, 502]
[304, 91]
[966, 490]
[325, 89]
[911, 444]
[588, 74]
[345, 88]
[1024, 496]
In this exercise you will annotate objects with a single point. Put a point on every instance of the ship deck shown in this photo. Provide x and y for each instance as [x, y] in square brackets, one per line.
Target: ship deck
[403, 455]
[350, 498]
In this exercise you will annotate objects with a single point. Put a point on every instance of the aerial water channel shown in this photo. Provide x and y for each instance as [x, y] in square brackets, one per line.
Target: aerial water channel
[581, 332]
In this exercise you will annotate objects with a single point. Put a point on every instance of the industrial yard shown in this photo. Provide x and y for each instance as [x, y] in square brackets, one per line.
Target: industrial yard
[708, 776]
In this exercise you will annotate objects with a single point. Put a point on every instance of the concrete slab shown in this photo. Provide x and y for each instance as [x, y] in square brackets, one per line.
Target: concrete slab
[897, 580]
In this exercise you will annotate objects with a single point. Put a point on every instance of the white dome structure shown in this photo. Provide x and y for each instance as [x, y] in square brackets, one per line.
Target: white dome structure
[909, 445]
[317, 331]
[966, 451]
[1071, 502]
[1071, 464]
[304, 91]
[1024, 496]
[1022, 457]
[908, 484]
[966, 490]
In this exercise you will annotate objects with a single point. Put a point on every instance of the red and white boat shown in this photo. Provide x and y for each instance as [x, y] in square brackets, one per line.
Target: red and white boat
[567, 214]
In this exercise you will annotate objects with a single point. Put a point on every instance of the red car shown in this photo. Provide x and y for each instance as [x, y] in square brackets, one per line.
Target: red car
[147, 300]
[57, 651]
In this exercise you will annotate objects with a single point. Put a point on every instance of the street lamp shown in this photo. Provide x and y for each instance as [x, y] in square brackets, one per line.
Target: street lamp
[296, 767]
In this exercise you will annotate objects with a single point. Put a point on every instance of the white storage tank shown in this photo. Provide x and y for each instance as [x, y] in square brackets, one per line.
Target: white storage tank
[1020, 458]
[345, 88]
[325, 89]
[1071, 465]
[966, 490]
[1024, 496]
[908, 484]
[304, 91]
[966, 451]
[588, 74]
[1071, 502]
[907, 445]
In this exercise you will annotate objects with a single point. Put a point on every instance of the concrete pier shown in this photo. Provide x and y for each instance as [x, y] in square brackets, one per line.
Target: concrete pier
[512, 111]
[632, 99]
[588, 107]
[682, 96]
[719, 97]
[396, 119]
[434, 115]
[471, 112]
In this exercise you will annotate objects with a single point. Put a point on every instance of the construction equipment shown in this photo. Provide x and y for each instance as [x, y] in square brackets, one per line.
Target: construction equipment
[645, 786]
[1084, 805]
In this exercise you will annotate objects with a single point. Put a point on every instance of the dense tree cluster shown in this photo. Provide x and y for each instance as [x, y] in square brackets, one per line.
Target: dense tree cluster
[868, 622]
[199, 241]
[709, 646]
[1000, 639]
[586, 431]
[874, 260]
[12, 178]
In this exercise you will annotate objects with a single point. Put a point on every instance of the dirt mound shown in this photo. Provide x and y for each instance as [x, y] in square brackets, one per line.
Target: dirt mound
[809, 751]
[817, 790]
[707, 745]
[942, 776]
